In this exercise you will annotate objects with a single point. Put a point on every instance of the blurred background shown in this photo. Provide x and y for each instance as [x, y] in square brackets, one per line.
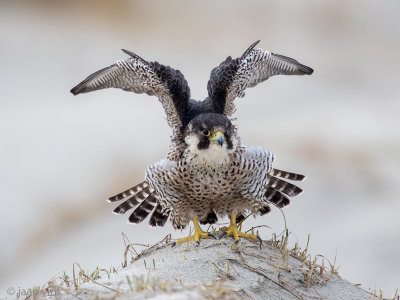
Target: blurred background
[61, 156]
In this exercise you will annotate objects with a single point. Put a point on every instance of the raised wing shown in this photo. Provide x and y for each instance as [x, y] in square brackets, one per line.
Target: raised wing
[233, 76]
[139, 76]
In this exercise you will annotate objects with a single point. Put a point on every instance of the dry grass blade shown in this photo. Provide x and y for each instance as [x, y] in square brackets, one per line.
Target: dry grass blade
[94, 281]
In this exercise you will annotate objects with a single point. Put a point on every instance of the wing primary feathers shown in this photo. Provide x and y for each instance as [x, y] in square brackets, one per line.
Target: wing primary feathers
[137, 75]
[304, 69]
[129, 192]
[133, 55]
[232, 77]
[83, 87]
[249, 49]
[143, 210]
[287, 175]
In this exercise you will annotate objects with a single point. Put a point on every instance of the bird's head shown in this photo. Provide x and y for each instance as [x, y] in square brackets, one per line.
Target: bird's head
[210, 137]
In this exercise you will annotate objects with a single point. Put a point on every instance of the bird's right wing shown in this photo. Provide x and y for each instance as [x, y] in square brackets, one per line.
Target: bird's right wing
[140, 76]
[233, 76]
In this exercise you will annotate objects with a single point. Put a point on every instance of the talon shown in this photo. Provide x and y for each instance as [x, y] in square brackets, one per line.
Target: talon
[173, 245]
[222, 235]
[211, 235]
[198, 234]
[232, 230]
[259, 239]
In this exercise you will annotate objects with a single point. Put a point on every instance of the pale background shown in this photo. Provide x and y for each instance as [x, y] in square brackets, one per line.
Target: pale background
[61, 156]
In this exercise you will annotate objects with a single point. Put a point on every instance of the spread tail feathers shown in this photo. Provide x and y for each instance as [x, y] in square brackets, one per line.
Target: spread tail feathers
[144, 209]
[146, 198]
[287, 175]
[276, 197]
[130, 192]
[284, 187]
[158, 218]
[278, 191]
[134, 200]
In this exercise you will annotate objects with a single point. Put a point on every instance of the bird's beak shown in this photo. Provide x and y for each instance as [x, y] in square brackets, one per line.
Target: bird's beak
[218, 137]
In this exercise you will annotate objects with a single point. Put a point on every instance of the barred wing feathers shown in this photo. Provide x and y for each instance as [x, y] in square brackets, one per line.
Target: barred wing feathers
[137, 75]
[230, 79]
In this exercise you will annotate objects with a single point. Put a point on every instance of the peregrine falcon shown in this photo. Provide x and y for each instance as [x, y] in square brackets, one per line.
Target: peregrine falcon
[208, 172]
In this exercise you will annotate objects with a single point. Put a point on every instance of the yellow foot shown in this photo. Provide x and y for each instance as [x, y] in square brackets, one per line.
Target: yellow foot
[198, 234]
[232, 230]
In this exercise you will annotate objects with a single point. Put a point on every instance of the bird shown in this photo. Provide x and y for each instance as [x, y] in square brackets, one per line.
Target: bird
[207, 173]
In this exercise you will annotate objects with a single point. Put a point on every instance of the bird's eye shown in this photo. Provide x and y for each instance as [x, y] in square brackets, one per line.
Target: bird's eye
[205, 132]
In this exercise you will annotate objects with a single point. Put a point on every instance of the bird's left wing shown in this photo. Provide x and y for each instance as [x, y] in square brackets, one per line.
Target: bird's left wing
[140, 76]
[230, 79]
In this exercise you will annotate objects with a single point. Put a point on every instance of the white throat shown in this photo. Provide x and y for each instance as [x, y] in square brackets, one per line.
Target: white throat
[214, 156]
